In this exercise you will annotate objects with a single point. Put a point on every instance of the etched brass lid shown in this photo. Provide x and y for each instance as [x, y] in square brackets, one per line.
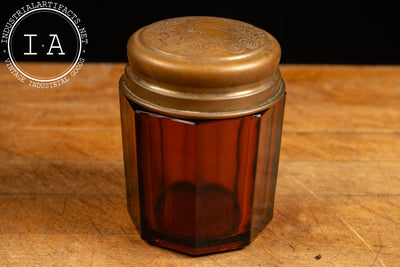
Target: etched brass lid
[203, 68]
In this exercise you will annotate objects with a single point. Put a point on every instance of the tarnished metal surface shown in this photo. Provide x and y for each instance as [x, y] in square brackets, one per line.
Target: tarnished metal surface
[203, 67]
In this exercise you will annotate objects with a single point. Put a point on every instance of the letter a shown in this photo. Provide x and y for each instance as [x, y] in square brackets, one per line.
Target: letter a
[55, 37]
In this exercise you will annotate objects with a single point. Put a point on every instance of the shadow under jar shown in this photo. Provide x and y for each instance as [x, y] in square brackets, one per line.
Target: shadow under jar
[202, 104]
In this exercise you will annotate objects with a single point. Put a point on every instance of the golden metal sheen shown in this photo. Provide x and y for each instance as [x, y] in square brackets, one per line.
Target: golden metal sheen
[203, 68]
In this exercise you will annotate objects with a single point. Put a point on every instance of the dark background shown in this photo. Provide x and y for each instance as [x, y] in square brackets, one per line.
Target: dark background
[328, 32]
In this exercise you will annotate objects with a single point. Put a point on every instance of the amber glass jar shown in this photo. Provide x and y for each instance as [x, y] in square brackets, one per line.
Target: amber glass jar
[202, 104]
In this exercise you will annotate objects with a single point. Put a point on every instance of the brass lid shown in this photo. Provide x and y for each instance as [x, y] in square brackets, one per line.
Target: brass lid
[203, 68]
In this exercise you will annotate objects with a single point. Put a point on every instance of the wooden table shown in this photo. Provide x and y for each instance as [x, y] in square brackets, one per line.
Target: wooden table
[62, 191]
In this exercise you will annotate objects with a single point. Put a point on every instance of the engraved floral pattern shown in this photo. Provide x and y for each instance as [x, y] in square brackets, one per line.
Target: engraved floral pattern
[203, 37]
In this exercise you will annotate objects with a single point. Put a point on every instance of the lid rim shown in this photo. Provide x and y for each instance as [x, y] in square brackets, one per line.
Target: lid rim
[193, 114]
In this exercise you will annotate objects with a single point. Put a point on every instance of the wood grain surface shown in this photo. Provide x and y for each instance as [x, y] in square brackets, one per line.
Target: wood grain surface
[62, 189]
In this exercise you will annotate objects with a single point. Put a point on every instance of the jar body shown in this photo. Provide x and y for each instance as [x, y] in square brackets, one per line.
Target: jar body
[200, 186]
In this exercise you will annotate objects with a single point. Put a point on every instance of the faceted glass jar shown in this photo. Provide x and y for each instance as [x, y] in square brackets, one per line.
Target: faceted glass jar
[202, 103]
[200, 186]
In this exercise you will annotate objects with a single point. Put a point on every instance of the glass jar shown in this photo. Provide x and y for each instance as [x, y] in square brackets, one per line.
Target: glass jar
[202, 104]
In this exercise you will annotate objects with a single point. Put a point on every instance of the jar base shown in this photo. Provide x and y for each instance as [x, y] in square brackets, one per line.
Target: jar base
[196, 247]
